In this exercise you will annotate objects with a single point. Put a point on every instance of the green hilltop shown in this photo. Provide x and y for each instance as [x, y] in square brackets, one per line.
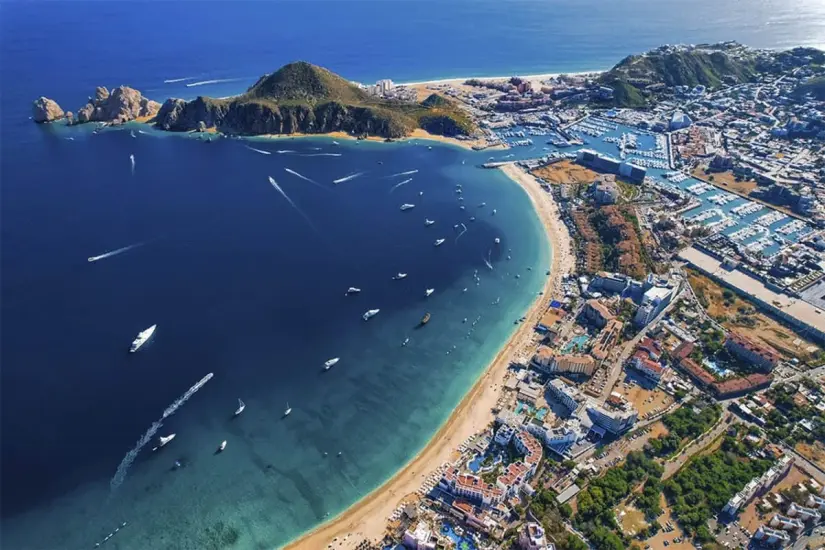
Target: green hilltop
[304, 98]
[673, 67]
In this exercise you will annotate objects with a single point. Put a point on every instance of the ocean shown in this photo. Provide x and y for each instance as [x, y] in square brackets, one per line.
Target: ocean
[245, 285]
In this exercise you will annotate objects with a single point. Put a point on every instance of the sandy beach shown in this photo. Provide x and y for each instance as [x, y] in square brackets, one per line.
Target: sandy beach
[367, 518]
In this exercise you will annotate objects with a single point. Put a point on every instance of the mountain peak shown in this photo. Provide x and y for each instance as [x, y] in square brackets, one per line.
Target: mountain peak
[305, 82]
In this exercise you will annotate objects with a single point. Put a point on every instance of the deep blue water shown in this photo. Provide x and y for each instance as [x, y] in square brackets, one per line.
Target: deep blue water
[238, 282]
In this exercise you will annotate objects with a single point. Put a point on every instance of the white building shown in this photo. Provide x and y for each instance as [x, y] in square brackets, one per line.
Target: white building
[385, 85]
[816, 502]
[771, 536]
[420, 538]
[613, 421]
[654, 300]
[504, 435]
[786, 524]
[765, 480]
[531, 537]
[558, 439]
[567, 395]
[804, 513]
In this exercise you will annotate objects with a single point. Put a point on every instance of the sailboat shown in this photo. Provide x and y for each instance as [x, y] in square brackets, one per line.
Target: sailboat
[241, 407]
[288, 410]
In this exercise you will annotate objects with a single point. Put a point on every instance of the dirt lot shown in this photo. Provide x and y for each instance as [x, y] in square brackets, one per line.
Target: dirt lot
[566, 172]
[630, 519]
[750, 518]
[726, 180]
[645, 400]
[815, 453]
[657, 541]
[764, 328]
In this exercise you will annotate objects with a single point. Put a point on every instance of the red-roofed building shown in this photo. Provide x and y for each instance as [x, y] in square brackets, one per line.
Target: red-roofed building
[470, 487]
[742, 385]
[683, 351]
[764, 357]
[645, 359]
[697, 373]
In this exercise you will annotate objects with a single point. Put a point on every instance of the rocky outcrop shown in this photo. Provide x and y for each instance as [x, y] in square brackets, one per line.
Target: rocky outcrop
[121, 105]
[263, 117]
[46, 110]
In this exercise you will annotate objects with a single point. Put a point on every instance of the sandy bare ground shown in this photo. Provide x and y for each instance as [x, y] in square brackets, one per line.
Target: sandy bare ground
[367, 518]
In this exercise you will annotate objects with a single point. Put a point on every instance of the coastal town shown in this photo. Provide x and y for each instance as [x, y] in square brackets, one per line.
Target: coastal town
[667, 389]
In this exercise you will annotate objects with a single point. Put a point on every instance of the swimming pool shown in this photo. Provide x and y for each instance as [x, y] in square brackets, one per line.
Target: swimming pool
[579, 342]
[461, 542]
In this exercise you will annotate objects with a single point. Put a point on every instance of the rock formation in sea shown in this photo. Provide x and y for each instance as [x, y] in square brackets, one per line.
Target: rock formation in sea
[46, 110]
[121, 105]
[305, 98]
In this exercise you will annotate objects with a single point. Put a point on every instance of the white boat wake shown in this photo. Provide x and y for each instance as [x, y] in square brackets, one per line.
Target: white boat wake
[115, 252]
[407, 173]
[295, 206]
[132, 160]
[173, 80]
[123, 469]
[322, 155]
[487, 260]
[347, 178]
[261, 151]
[397, 185]
[214, 81]
[284, 151]
[463, 230]
[297, 175]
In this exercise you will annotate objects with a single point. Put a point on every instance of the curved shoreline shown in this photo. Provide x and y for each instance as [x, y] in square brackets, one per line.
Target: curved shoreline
[367, 518]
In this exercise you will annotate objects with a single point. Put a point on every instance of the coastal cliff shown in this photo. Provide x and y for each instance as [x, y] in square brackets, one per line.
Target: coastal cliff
[304, 98]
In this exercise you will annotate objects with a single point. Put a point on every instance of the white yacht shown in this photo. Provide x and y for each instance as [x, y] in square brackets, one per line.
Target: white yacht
[141, 339]
[421, 193]
[405, 342]
[221, 447]
[241, 407]
[329, 364]
[335, 142]
[429, 291]
[399, 276]
[494, 211]
[288, 410]
[163, 441]
[439, 242]
[353, 290]
[407, 206]
[428, 222]
[369, 314]
[497, 240]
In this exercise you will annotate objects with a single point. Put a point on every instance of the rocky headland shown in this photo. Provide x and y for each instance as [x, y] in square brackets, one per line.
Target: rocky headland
[122, 104]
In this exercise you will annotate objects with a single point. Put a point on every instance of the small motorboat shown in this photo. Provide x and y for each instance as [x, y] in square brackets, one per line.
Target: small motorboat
[421, 193]
[221, 447]
[405, 342]
[329, 364]
[482, 205]
[241, 407]
[425, 319]
[399, 276]
[288, 410]
[439, 242]
[370, 314]
[461, 207]
[353, 290]
[428, 222]
[472, 218]
[429, 291]
[497, 240]
[163, 440]
[494, 211]
[335, 142]
[407, 206]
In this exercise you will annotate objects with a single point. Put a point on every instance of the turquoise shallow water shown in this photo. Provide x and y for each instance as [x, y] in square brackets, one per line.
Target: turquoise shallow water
[240, 284]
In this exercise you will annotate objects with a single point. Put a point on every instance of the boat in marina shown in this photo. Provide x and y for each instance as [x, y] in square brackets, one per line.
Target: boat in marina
[407, 206]
[429, 291]
[428, 222]
[399, 276]
[142, 338]
[425, 319]
[353, 290]
[370, 314]
[241, 407]
[439, 242]
[330, 363]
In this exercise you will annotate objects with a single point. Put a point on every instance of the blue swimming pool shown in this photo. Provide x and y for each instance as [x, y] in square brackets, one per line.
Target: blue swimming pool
[576, 343]
[461, 542]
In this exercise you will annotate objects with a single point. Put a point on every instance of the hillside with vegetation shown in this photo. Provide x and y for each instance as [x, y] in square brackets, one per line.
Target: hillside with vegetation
[815, 87]
[674, 67]
[304, 98]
